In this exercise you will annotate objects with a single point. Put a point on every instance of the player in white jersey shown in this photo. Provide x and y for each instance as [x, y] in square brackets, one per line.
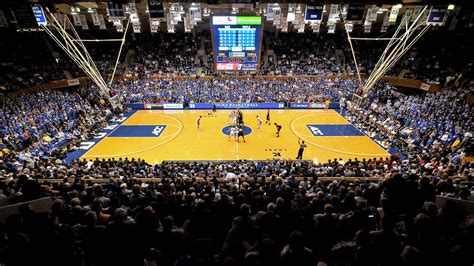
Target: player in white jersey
[232, 133]
[234, 117]
[259, 122]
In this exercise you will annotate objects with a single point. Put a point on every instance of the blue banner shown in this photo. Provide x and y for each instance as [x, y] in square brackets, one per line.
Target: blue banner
[314, 13]
[155, 9]
[237, 105]
[39, 14]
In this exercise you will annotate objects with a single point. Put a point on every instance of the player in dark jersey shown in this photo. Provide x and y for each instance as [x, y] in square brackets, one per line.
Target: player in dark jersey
[278, 127]
[268, 117]
[240, 133]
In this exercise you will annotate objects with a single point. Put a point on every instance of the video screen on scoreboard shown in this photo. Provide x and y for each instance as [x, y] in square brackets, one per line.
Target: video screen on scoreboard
[236, 42]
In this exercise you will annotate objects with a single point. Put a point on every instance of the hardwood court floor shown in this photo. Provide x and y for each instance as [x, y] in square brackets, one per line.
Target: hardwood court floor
[157, 135]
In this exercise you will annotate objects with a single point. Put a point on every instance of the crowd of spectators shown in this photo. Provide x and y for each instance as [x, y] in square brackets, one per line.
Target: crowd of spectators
[31, 66]
[441, 58]
[428, 126]
[303, 54]
[235, 90]
[164, 54]
[227, 213]
[46, 121]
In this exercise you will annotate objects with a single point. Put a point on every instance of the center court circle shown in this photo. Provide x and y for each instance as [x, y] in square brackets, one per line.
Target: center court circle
[226, 130]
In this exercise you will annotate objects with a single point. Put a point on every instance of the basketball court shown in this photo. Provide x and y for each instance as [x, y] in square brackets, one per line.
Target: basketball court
[158, 135]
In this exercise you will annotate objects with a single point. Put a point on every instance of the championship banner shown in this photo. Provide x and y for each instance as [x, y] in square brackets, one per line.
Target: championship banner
[314, 13]
[237, 105]
[156, 9]
[437, 16]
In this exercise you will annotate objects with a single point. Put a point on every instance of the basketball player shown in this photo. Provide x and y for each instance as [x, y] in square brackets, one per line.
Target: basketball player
[268, 117]
[240, 117]
[278, 127]
[301, 150]
[259, 122]
[198, 122]
[241, 133]
[233, 133]
[230, 118]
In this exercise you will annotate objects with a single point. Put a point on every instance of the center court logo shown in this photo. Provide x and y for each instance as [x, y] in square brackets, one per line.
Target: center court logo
[226, 130]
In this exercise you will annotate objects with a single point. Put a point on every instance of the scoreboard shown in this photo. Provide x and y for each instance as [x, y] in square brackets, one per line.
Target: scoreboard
[236, 42]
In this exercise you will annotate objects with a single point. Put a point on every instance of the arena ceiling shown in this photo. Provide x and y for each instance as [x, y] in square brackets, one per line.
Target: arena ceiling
[137, 11]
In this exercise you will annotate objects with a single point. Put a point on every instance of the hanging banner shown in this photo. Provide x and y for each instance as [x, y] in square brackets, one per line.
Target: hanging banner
[137, 28]
[371, 14]
[77, 20]
[355, 12]
[39, 14]
[95, 19]
[195, 14]
[84, 22]
[437, 16]
[154, 25]
[187, 25]
[270, 11]
[394, 14]
[156, 9]
[102, 22]
[314, 13]
[115, 9]
[291, 12]
[333, 13]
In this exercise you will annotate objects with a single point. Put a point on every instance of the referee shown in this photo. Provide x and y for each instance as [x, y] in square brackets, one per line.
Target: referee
[301, 150]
